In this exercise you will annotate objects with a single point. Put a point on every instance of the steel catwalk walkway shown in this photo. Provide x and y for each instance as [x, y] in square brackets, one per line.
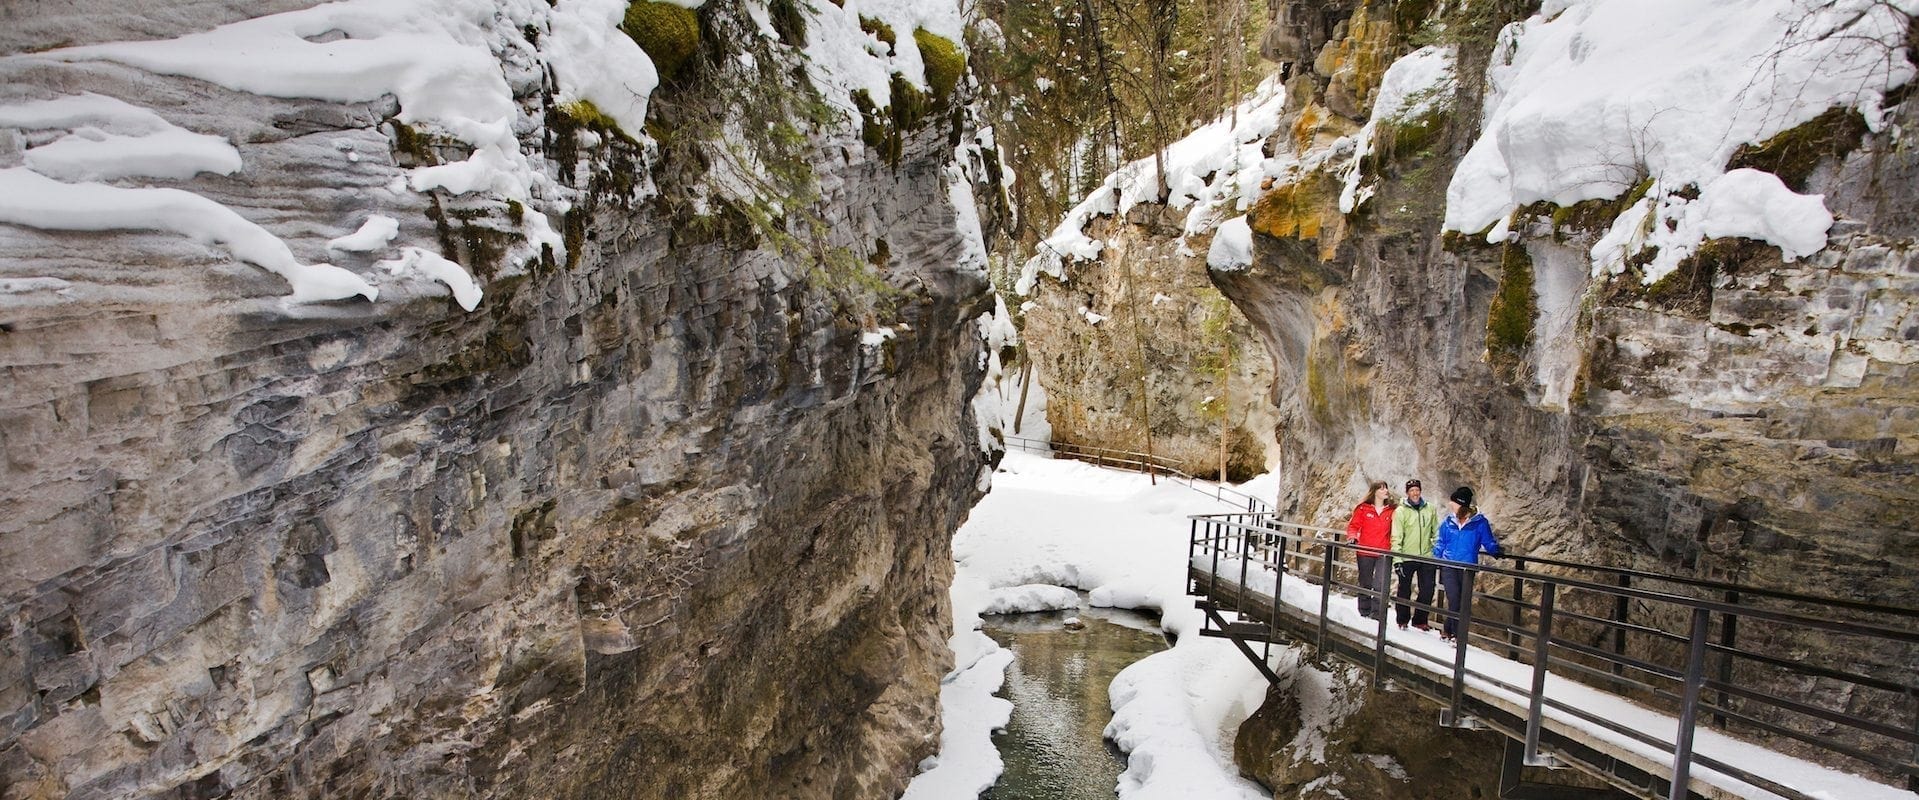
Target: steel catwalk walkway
[1662, 687]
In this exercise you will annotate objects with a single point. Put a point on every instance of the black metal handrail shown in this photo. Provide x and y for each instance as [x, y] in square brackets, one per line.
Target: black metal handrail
[1669, 669]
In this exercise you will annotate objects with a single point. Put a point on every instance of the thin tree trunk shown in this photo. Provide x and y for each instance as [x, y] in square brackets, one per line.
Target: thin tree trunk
[1025, 380]
[1225, 400]
[1105, 77]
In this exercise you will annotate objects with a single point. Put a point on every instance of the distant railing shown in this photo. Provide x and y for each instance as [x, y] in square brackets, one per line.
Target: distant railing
[1701, 650]
[1149, 464]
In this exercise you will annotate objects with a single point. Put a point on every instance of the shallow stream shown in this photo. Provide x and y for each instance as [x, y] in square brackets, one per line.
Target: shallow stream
[1054, 747]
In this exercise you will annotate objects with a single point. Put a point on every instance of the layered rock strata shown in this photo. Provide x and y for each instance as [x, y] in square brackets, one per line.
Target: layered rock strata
[656, 519]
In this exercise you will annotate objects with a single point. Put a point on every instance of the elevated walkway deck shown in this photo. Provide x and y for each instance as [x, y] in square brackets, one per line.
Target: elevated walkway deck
[1661, 687]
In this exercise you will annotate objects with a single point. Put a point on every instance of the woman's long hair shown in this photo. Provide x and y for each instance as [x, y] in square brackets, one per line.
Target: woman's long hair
[1373, 490]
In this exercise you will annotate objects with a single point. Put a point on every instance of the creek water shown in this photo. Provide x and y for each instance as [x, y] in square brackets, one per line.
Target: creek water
[1054, 747]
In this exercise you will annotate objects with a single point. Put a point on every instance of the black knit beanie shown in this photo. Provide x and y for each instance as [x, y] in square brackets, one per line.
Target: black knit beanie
[1463, 495]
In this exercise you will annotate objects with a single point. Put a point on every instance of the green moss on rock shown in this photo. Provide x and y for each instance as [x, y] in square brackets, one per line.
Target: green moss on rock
[1688, 289]
[588, 115]
[669, 34]
[944, 64]
[1594, 216]
[1509, 323]
[885, 130]
[1794, 153]
[880, 31]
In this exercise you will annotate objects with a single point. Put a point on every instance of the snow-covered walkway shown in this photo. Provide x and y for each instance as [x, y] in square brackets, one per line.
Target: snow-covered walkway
[1813, 780]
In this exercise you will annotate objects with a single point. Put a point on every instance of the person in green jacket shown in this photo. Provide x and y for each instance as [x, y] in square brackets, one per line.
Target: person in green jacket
[1413, 530]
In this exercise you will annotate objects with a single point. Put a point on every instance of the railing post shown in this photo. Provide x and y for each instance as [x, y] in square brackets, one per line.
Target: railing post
[1279, 575]
[1325, 594]
[1689, 705]
[1463, 628]
[1519, 595]
[1728, 636]
[1192, 548]
[1382, 609]
[1542, 659]
[1245, 560]
[1212, 543]
[1621, 606]
[1279, 568]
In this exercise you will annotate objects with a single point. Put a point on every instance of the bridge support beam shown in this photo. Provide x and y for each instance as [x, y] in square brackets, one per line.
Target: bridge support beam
[1513, 787]
[1259, 663]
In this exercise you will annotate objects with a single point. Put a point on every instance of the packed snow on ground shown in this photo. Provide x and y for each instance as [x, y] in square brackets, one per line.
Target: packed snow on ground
[1124, 541]
[1030, 597]
[1587, 97]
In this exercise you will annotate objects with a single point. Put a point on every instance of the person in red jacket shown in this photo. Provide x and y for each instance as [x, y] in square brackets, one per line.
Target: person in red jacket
[1372, 529]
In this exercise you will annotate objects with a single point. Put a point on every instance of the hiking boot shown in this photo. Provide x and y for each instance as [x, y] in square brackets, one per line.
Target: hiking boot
[1422, 626]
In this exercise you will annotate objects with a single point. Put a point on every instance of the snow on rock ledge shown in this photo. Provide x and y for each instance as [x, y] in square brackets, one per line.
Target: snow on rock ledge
[1587, 98]
[452, 67]
[1232, 246]
[37, 201]
[1215, 171]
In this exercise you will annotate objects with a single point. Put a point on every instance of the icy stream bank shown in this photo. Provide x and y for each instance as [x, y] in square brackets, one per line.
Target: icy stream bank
[1123, 541]
[1054, 747]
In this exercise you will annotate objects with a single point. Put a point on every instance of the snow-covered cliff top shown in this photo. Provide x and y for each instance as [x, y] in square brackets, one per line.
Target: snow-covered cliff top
[84, 146]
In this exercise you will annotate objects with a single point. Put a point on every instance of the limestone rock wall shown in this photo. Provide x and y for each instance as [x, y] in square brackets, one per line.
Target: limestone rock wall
[1747, 419]
[652, 521]
[1719, 424]
[1145, 308]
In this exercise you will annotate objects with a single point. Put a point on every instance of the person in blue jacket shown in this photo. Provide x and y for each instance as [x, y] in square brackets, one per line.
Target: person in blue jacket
[1463, 535]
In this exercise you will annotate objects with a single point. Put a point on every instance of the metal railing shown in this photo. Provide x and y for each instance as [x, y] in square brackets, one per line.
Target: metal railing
[1150, 464]
[1831, 678]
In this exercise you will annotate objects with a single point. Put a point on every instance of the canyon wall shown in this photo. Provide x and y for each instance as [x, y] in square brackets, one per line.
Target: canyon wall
[1648, 293]
[1745, 415]
[667, 514]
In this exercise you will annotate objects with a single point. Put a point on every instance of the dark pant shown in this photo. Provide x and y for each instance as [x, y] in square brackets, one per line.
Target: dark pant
[1409, 572]
[1375, 576]
[1454, 579]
